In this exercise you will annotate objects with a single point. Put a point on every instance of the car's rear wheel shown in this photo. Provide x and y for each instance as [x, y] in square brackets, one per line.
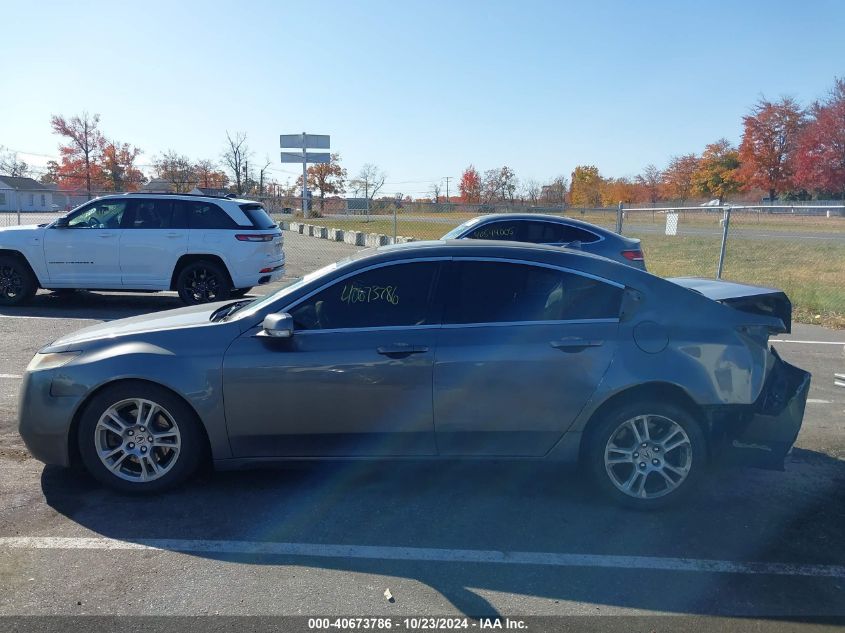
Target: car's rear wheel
[646, 455]
[139, 437]
[17, 283]
[203, 281]
[239, 292]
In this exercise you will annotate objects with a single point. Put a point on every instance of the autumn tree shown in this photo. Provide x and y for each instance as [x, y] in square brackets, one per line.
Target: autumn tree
[678, 176]
[118, 167]
[585, 190]
[615, 190]
[651, 180]
[81, 152]
[470, 185]
[769, 140]
[235, 157]
[327, 178]
[11, 165]
[717, 173]
[209, 175]
[820, 158]
[175, 169]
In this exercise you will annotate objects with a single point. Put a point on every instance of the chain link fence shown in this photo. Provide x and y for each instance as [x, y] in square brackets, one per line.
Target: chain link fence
[798, 247]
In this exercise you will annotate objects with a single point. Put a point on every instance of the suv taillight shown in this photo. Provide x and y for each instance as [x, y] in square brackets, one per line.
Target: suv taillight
[635, 255]
[253, 237]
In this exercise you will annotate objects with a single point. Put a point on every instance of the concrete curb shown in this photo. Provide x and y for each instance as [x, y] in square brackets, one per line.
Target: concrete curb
[355, 238]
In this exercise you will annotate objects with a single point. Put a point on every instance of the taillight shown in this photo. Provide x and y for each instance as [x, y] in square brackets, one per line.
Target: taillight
[253, 237]
[634, 255]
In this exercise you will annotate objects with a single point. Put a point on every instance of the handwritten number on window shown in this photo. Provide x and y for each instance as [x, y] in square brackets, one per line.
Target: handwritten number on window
[354, 294]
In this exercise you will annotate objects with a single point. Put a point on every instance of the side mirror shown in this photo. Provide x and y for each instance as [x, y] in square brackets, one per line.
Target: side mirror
[278, 325]
[61, 223]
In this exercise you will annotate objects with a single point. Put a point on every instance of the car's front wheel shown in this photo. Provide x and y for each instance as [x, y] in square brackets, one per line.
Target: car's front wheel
[203, 282]
[646, 455]
[139, 437]
[17, 283]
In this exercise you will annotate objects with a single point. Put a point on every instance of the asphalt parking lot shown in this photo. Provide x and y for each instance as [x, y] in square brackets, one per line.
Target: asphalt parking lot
[447, 538]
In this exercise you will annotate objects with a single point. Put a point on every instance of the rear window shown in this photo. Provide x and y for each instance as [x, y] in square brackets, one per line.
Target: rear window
[257, 215]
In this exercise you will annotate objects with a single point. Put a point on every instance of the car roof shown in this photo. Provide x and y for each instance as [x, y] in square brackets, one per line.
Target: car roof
[545, 217]
[184, 196]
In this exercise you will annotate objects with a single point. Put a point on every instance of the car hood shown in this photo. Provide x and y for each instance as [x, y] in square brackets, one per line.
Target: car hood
[192, 316]
[18, 233]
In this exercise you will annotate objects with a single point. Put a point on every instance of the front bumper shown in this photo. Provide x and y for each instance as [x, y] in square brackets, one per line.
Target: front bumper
[44, 419]
[764, 435]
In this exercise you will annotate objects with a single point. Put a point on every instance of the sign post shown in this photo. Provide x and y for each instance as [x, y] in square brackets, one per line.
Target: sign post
[304, 142]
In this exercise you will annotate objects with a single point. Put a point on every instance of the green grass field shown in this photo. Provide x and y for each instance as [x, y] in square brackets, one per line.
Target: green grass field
[811, 272]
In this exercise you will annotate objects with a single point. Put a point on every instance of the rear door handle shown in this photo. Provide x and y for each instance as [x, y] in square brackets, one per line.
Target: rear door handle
[573, 344]
[401, 351]
[105, 235]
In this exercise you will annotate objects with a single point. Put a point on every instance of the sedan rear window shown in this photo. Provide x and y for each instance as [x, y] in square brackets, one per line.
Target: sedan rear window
[258, 216]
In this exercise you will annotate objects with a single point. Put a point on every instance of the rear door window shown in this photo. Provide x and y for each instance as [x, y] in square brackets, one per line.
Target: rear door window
[148, 214]
[258, 216]
[505, 292]
[389, 296]
[538, 232]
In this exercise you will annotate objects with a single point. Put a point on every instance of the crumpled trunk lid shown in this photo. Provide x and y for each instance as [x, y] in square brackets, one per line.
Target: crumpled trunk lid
[767, 302]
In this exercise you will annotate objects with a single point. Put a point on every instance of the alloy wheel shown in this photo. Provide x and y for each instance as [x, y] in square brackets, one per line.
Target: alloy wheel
[11, 282]
[137, 440]
[203, 285]
[648, 456]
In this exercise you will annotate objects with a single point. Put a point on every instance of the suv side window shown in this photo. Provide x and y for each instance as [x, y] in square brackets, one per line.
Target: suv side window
[148, 214]
[509, 230]
[393, 295]
[195, 214]
[502, 292]
[103, 214]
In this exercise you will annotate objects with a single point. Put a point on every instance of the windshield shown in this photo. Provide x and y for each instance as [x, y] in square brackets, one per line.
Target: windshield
[456, 232]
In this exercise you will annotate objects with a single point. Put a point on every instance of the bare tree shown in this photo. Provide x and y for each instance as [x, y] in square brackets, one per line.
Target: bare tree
[369, 180]
[235, 157]
[262, 175]
[175, 169]
[435, 191]
[532, 191]
[10, 165]
[555, 191]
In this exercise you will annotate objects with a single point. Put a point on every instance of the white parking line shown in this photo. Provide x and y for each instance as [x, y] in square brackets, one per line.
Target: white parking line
[817, 401]
[10, 376]
[783, 340]
[424, 554]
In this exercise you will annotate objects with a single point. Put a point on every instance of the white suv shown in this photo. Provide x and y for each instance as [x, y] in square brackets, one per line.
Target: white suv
[206, 248]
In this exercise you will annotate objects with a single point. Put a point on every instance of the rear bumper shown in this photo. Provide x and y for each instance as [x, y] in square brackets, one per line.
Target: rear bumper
[765, 434]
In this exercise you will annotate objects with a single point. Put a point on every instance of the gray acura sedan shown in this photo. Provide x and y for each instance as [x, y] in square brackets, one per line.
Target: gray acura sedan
[433, 350]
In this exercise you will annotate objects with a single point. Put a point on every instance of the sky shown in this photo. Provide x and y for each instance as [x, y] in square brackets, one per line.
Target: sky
[420, 88]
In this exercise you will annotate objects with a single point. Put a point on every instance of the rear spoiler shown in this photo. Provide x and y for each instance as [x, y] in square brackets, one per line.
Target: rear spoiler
[768, 302]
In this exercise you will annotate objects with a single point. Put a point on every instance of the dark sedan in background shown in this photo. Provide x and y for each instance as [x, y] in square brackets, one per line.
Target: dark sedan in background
[553, 230]
[434, 350]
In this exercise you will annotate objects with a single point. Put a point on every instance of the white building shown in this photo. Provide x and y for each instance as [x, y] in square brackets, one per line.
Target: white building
[24, 194]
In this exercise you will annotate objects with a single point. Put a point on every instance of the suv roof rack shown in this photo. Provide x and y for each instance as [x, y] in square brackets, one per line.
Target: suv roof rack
[228, 196]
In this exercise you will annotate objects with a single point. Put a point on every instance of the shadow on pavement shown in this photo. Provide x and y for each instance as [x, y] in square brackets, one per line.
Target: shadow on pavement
[792, 517]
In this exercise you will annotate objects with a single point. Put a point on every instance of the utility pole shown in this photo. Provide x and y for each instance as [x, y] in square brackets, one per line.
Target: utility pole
[448, 178]
[246, 175]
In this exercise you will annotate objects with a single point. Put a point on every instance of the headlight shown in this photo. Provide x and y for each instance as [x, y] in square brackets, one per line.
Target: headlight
[51, 361]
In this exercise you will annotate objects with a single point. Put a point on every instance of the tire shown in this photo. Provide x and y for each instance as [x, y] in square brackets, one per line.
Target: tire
[239, 292]
[614, 454]
[203, 281]
[109, 426]
[17, 283]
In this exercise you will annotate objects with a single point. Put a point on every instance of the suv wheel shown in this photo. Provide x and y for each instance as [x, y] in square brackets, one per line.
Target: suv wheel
[646, 455]
[203, 282]
[138, 437]
[17, 283]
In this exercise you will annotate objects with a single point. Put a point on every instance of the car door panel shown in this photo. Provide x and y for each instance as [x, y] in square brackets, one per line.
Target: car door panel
[150, 244]
[513, 390]
[355, 379]
[522, 349]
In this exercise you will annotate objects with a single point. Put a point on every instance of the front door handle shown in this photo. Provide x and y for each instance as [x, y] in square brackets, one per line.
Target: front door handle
[573, 344]
[105, 235]
[173, 235]
[401, 351]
